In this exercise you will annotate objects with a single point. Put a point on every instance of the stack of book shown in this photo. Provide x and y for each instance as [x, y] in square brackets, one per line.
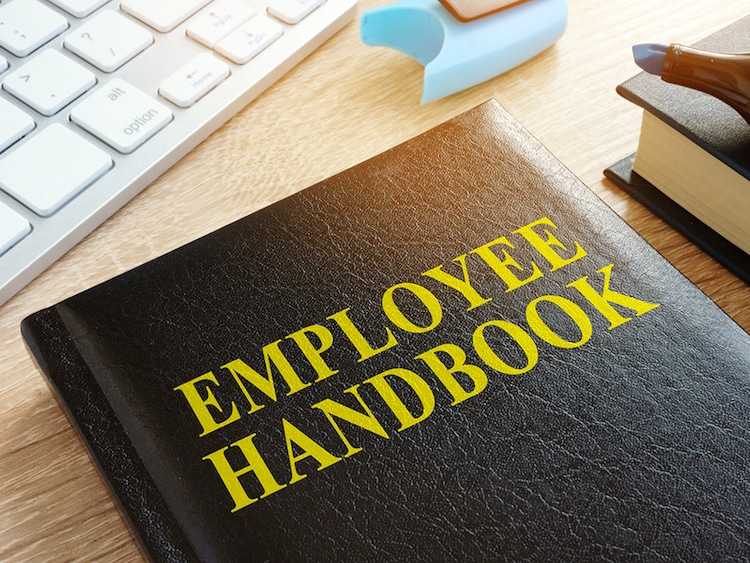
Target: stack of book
[692, 165]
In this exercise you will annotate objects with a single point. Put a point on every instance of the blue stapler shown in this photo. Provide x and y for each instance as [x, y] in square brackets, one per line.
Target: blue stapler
[456, 53]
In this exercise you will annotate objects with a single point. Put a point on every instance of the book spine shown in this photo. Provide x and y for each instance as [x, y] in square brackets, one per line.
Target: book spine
[58, 356]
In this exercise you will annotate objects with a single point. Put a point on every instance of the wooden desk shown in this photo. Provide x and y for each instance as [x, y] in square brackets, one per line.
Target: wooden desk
[342, 105]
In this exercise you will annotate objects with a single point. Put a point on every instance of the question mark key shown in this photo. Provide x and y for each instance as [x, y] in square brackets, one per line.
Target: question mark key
[108, 40]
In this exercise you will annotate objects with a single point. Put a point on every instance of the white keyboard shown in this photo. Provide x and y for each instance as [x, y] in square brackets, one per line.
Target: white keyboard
[100, 97]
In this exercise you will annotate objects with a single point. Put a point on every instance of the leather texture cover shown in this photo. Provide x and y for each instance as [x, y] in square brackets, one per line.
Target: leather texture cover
[471, 358]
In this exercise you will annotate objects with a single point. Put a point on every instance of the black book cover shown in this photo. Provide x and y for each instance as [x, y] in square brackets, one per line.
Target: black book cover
[709, 123]
[732, 257]
[451, 351]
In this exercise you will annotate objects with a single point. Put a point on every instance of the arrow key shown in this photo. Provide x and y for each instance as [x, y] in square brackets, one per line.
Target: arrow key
[255, 35]
[194, 80]
[219, 21]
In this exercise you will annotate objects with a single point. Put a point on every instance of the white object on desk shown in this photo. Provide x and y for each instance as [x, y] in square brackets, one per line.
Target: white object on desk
[112, 35]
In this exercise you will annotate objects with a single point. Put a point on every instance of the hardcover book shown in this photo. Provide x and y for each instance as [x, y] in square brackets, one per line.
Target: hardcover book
[451, 351]
[692, 166]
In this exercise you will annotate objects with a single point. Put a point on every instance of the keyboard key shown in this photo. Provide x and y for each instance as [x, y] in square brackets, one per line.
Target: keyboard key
[194, 80]
[26, 25]
[121, 115]
[108, 40]
[13, 227]
[255, 35]
[292, 11]
[217, 22]
[49, 82]
[79, 8]
[163, 15]
[15, 124]
[48, 169]
[164, 118]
